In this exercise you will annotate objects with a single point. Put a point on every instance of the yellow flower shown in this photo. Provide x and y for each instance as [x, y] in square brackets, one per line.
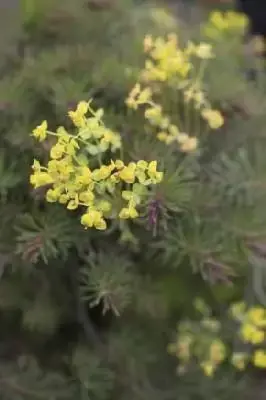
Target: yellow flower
[87, 197]
[162, 136]
[144, 96]
[124, 213]
[63, 199]
[148, 43]
[127, 213]
[119, 164]
[102, 173]
[218, 20]
[238, 310]
[213, 117]
[208, 368]
[131, 101]
[142, 164]
[257, 316]
[72, 147]
[57, 151]
[36, 166]
[73, 203]
[155, 176]
[104, 206]
[78, 116]
[133, 213]
[52, 195]
[183, 348]
[39, 179]
[239, 361]
[251, 334]
[128, 174]
[40, 132]
[82, 108]
[217, 351]
[93, 218]
[154, 114]
[189, 145]
[85, 176]
[204, 51]
[259, 359]
[259, 44]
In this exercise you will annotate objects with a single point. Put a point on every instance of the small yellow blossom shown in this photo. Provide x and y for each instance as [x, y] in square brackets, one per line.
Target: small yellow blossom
[119, 164]
[189, 145]
[128, 173]
[148, 43]
[87, 197]
[63, 199]
[204, 51]
[213, 117]
[127, 213]
[40, 132]
[208, 368]
[93, 218]
[52, 195]
[36, 166]
[257, 316]
[217, 351]
[41, 179]
[78, 116]
[259, 359]
[154, 175]
[104, 206]
[251, 334]
[238, 310]
[239, 361]
[57, 151]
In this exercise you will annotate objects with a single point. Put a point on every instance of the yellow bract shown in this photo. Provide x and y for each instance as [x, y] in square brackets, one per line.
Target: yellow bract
[259, 359]
[40, 131]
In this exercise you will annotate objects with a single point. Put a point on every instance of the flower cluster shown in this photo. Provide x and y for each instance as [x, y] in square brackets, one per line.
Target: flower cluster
[227, 23]
[171, 64]
[201, 342]
[74, 183]
[252, 322]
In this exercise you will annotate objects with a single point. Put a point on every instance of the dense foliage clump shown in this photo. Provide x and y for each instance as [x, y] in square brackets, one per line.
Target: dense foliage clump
[132, 200]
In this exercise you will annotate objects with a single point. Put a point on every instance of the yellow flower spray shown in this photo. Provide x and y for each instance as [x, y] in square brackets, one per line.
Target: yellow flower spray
[74, 183]
[202, 342]
[171, 65]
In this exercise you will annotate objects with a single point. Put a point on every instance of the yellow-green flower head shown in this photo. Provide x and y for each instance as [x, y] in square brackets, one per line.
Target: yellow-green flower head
[259, 359]
[239, 360]
[214, 118]
[128, 213]
[153, 174]
[217, 351]
[208, 368]
[87, 198]
[220, 23]
[204, 51]
[250, 334]
[128, 173]
[257, 316]
[78, 116]
[57, 151]
[39, 179]
[40, 133]
[238, 310]
[93, 218]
